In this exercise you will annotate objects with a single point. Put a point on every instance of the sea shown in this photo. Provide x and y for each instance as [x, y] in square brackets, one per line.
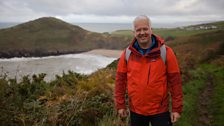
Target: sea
[16, 68]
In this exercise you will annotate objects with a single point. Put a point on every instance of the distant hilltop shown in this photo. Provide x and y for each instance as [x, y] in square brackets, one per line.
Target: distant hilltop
[51, 36]
[207, 26]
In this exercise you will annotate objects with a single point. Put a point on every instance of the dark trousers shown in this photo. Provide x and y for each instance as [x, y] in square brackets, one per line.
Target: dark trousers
[162, 119]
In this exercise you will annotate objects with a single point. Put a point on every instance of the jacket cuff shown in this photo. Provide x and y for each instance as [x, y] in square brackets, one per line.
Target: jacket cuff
[179, 110]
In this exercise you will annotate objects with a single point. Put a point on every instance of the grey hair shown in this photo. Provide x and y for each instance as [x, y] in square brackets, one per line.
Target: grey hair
[141, 17]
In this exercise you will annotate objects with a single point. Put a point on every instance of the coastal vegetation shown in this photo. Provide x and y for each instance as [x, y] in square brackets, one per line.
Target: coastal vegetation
[87, 100]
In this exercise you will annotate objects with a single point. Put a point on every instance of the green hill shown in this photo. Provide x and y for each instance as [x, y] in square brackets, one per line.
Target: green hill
[51, 36]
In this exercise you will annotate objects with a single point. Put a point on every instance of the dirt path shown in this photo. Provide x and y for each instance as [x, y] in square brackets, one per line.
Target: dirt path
[204, 117]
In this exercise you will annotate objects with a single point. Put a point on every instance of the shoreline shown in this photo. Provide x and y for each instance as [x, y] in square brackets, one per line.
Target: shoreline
[105, 52]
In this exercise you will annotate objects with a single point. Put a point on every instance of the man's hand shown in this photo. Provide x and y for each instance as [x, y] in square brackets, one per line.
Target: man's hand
[122, 113]
[174, 117]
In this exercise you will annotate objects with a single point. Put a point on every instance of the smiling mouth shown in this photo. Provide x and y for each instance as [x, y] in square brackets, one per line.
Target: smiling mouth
[143, 38]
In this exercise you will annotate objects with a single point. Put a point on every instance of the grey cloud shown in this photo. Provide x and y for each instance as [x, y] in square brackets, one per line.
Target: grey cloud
[132, 8]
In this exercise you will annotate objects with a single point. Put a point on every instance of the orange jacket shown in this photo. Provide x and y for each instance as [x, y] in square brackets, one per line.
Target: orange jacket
[148, 80]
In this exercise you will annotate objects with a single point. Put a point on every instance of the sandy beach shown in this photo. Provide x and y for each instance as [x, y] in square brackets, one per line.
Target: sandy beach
[105, 52]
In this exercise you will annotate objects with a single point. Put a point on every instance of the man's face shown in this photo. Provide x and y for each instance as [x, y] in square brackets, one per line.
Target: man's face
[142, 31]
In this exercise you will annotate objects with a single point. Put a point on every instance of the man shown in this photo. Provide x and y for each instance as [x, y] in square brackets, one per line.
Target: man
[148, 79]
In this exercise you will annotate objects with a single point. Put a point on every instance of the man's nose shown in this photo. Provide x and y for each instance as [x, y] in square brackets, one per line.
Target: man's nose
[142, 32]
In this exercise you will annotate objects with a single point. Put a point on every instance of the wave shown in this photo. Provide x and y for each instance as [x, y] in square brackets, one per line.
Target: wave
[53, 65]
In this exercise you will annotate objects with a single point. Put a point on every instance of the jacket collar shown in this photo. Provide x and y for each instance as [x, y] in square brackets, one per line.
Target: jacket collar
[154, 50]
[145, 51]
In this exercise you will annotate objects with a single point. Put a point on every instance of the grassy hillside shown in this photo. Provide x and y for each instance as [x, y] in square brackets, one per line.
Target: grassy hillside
[79, 100]
[178, 32]
[47, 36]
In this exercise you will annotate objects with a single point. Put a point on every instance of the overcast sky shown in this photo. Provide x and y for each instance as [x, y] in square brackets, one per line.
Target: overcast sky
[113, 11]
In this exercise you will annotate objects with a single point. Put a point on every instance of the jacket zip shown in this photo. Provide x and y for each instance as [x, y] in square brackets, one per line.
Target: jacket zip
[148, 73]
